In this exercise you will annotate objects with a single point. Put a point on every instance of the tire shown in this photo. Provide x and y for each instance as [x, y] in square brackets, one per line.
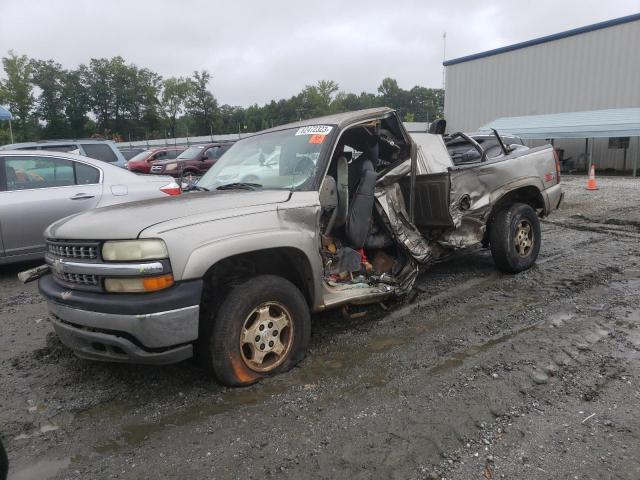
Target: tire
[246, 326]
[4, 462]
[189, 174]
[515, 238]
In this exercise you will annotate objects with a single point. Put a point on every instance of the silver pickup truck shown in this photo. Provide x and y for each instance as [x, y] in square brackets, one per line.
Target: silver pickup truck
[339, 210]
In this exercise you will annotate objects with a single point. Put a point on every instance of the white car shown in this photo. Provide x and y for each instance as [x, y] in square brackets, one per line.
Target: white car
[37, 188]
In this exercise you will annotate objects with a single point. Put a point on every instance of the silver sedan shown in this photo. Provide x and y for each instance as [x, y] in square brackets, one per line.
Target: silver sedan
[38, 188]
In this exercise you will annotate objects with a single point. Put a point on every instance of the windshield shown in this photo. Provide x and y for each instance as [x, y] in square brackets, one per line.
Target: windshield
[284, 159]
[141, 156]
[191, 152]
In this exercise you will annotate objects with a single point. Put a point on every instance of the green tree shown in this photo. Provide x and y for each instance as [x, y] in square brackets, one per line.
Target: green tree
[201, 105]
[76, 104]
[174, 95]
[16, 91]
[50, 79]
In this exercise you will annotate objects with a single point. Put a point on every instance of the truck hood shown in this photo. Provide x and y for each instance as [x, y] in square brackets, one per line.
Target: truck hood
[125, 221]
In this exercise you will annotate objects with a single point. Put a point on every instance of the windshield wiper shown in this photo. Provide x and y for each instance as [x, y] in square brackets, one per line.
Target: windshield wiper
[239, 186]
[197, 188]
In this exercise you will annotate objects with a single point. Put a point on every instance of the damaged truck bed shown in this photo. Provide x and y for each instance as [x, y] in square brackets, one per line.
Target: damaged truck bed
[338, 210]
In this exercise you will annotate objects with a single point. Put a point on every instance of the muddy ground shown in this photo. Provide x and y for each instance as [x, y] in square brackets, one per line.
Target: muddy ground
[482, 376]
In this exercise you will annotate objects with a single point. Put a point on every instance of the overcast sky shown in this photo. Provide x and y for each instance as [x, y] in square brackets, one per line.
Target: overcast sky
[262, 50]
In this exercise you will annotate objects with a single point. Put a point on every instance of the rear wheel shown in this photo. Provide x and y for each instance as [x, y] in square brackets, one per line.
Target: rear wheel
[261, 328]
[515, 238]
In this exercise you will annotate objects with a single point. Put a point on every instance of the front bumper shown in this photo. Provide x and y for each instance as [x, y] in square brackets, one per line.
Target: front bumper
[154, 328]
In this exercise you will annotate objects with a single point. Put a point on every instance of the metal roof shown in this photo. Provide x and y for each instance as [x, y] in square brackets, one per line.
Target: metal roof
[5, 114]
[615, 122]
[548, 38]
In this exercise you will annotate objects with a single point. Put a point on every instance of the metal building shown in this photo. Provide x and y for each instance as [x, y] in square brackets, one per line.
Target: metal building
[595, 67]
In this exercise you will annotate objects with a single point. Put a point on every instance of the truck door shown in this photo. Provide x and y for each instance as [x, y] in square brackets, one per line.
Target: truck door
[433, 183]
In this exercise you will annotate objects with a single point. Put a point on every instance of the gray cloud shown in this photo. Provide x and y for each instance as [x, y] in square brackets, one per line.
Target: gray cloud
[258, 50]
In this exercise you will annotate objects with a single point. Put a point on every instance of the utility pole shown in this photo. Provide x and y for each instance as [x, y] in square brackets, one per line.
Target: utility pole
[444, 54]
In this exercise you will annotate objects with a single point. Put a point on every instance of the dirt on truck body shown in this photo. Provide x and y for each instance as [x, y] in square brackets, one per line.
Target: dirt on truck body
[340, 210]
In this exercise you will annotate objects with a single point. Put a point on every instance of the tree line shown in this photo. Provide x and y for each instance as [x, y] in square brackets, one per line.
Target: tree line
[110, 98]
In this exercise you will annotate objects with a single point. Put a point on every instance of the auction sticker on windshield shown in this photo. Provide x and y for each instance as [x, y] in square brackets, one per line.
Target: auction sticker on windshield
[314, 130]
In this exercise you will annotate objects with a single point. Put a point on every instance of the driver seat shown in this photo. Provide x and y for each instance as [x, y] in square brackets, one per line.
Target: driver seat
[363, 175]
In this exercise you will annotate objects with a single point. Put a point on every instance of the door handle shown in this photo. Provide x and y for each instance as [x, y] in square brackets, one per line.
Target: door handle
[82, 196]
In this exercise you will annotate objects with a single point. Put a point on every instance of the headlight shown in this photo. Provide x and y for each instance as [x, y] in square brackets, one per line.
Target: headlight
[138, 284]
[128, 250]
[170, 167]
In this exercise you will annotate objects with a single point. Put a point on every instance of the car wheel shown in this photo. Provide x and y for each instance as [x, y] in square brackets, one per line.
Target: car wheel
[515, 238]
[261, 328]
[189, 177]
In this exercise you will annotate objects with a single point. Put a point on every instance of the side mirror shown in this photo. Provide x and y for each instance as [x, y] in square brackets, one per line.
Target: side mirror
[203, 158]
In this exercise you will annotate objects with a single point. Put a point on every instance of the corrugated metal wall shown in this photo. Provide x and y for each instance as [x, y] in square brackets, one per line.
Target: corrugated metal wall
[594, 70]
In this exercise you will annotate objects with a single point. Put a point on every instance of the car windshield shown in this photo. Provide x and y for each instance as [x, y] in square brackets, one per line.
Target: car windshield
[191, 152]
[141, 156]
[284, 159]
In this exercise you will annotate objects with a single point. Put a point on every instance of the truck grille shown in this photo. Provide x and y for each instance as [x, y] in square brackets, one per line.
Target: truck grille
[81, 251]
[77, 279]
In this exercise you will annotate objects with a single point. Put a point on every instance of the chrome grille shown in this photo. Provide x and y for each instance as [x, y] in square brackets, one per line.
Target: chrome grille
[156, 168]
[71, 250]
[77, 278]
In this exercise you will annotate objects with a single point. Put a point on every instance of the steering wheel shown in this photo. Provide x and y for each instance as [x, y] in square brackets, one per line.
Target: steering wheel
[304, 166]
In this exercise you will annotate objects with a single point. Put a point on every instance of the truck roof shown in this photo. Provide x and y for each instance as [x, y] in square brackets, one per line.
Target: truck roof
[338, 119]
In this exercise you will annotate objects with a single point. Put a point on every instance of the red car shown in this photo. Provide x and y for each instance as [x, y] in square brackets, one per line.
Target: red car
[193, 162]
[141, 163]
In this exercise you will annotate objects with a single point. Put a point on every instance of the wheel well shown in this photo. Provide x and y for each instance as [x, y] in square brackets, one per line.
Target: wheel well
[529, 195]
[286, 262]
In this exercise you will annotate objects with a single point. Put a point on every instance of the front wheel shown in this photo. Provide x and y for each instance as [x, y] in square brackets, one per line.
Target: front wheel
[262, 328]
[515, 238]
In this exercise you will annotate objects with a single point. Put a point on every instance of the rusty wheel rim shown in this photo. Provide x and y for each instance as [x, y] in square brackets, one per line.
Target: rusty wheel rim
[266, 337]
[523, 239]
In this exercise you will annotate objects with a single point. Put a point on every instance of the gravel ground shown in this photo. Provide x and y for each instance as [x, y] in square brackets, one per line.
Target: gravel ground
[482, 376]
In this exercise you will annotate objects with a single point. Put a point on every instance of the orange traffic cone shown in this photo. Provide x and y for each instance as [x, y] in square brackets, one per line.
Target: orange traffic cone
[591, 182]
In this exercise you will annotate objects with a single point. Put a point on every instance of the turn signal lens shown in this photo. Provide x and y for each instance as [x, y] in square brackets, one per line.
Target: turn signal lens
[138, 284]
[151, 284]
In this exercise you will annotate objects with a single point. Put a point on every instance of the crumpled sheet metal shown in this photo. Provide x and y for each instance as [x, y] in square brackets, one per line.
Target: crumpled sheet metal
[390, 206]
[478, 188]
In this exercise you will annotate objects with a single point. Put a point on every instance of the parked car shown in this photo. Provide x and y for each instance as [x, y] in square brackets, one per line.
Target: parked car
[129, 152]
[104, 150]
[38, 187]
[352, 211]
[193, 162]
[463, 152]
[141, 163]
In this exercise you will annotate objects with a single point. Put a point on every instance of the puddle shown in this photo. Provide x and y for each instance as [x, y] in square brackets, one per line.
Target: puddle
[41, 470]
[457, 359]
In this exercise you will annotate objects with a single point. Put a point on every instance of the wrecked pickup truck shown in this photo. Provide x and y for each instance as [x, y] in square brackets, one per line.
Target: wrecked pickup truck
[344, 209]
